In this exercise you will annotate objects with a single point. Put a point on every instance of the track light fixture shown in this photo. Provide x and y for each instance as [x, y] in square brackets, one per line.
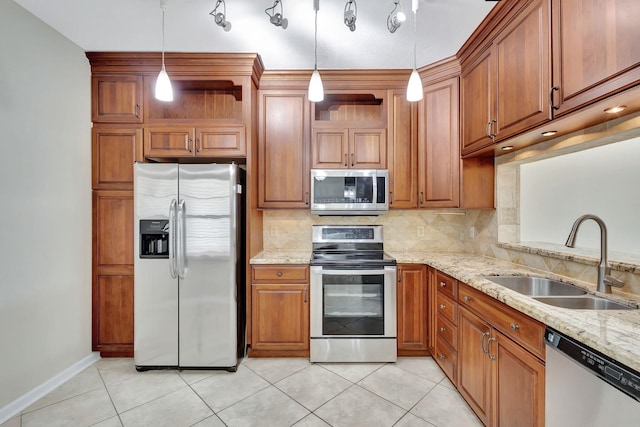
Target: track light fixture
[277, 18]
[164, 91]
[221, 17]
[350, 14]
[396, 17]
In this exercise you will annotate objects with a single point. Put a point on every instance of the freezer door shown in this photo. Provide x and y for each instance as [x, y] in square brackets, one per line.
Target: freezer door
[207, 197]
[155, 291]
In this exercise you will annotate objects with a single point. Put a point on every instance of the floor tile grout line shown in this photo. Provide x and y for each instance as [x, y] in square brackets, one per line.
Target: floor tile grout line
[215, 414]
[110, 398]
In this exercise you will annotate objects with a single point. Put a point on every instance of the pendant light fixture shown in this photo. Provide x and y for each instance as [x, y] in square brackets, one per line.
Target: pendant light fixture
[164, 92]
[316, 90]
[414, 88]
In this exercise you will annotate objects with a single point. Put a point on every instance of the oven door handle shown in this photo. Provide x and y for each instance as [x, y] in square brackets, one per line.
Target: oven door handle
[361, 272]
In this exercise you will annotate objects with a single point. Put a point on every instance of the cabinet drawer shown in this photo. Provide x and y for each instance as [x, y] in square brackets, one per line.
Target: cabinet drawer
[447, 358]
[447, 331]
[524, 330]
[280, 274]
[447, 307]
[447, 285]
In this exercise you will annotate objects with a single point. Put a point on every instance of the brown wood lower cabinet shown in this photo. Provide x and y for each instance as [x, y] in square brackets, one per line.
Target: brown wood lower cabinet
[412, 310]
[113, 316]
[279, 311]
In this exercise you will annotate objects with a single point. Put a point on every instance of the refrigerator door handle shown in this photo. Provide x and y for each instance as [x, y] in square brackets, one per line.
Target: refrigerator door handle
[181, 239]
[172, 238]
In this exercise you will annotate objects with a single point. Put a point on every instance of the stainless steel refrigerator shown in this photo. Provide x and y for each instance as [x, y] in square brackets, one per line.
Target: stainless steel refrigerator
[189, 266]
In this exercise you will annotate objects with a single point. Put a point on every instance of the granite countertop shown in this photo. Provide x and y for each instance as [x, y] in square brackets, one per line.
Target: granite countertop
[615, 333]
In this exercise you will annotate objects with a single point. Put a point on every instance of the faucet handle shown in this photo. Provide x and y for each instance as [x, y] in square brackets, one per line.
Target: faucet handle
[612, 281]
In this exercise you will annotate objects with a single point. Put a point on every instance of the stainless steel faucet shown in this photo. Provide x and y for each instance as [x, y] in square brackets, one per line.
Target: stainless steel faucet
[605, 281]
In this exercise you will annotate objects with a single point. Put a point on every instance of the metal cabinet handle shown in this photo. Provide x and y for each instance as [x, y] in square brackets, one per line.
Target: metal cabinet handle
[442, 306]
[345, 159]
[492, 135]
[353, 156]
[189, 144]
[137, 111]
[391, 197]
[487, 130]
[442, 356]
[515, 326]
[484, 335]
[551, 102]
[466, 298]
[443, 329]
[306, 198]
[197, 145]
[279, 273]
[491, 356]
[422, 198]
[443, 284]
[305, 294]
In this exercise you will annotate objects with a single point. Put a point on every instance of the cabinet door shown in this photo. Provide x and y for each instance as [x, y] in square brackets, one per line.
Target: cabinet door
[474, 365]
[368, 148]
[523, 71]
[280, 317]
[113, 232]
[595, 50]
[477, 103]
[412, 308]
[330, 149]
[402, 154]
[169, 142]
[439, 148]
[222, 141]
[116, 99]
[518, 385]
[283, 151]
[113, 315]
[114, 151]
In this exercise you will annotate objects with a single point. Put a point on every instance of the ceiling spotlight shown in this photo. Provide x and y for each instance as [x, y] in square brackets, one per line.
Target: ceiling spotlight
[351, 14]
[221, 17]
[396, 17]
[616, 109]
[276, 18]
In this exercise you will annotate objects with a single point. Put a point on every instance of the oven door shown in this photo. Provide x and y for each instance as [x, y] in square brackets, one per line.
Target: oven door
[353, 303]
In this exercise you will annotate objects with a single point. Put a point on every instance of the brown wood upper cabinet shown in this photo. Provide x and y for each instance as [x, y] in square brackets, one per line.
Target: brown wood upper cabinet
[283, 149]
[350, 131]
[403, 151]
[505, 88]
[114, 152]
[595, 50]
[186, 141]
[116, 98]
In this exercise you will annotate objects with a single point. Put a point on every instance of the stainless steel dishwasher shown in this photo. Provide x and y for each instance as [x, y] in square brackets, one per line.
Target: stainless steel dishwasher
[585, 388]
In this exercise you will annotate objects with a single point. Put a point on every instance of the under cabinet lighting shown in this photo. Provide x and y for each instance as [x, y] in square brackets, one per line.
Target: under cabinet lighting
[507, 148]
[549, 133]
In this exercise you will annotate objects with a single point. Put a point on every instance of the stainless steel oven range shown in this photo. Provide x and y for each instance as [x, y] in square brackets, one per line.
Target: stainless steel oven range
[353, 296]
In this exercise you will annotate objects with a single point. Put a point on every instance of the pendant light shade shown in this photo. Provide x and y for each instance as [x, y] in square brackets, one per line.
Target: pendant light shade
[316, 89]
[414, 88]
[164, 91]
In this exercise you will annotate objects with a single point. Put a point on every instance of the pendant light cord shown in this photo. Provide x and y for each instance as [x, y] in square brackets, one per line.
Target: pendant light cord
[415, 37]
[315, 43]
[163, 37]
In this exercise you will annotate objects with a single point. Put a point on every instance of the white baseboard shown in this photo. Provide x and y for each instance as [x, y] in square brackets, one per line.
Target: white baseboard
[17, 406]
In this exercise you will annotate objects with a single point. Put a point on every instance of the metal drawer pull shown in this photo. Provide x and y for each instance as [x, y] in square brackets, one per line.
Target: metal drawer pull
[279, 273]
[443, 329]
[443, 284]
[442, 306]
[466, 298]
[515, 326]
[491, 356]
[442, 357]
[484, 335]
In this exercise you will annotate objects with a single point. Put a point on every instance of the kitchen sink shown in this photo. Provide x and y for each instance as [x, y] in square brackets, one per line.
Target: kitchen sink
[586, 302]
[536, 286]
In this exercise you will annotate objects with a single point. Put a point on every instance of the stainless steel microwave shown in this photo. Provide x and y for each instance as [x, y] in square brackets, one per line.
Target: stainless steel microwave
[349, 191]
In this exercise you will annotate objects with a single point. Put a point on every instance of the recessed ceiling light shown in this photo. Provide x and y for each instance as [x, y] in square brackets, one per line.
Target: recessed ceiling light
[549, 133]
[507, 148]
[614, 110]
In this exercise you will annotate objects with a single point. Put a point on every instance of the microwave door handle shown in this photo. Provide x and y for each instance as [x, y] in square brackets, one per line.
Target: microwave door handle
[172, 239]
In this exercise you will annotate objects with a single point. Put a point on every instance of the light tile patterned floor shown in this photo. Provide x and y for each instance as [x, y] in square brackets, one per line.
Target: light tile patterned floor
[412, 392]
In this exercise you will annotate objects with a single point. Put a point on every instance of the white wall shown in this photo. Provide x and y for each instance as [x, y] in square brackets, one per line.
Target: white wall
[604, 181]
[45, 211]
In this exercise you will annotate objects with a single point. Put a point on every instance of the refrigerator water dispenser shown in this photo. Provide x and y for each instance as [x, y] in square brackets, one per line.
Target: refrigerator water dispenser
[154, 238]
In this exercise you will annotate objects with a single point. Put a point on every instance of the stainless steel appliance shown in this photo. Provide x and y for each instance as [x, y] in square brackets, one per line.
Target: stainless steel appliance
[353, 296]
[349, 192]
[189, 266]
[586, 388]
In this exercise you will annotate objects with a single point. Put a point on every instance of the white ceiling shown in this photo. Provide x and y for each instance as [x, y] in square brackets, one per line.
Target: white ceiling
[135, 25]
